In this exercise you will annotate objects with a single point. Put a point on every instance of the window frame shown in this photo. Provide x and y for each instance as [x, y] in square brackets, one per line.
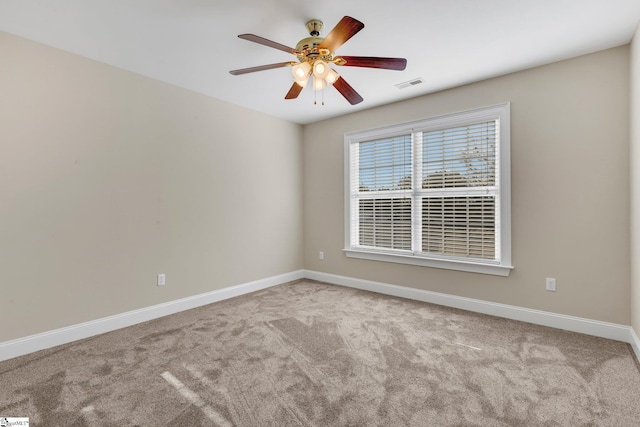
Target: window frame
[503, 267]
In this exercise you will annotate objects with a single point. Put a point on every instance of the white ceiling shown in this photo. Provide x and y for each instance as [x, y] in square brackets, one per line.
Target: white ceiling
[193, 43]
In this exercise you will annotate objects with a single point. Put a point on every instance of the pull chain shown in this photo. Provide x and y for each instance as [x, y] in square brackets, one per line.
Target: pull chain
[315, 97]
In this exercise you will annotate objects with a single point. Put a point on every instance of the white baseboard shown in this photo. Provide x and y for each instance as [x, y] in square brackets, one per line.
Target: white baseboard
[560, 321]
[635, 343]
[41, 341]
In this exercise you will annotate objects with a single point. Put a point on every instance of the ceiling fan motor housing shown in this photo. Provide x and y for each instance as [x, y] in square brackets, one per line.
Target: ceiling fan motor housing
[309, 44]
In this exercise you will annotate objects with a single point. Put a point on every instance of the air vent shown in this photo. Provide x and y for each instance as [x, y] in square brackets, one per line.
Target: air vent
[410, 83]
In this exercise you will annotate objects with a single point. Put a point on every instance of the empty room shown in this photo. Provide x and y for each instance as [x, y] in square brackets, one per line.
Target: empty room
[295, 213]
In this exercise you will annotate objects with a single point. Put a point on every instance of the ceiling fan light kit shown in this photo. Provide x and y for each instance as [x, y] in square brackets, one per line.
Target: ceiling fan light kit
[314, 55]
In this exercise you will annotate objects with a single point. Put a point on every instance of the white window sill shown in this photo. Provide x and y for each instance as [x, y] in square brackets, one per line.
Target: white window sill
[472, 267]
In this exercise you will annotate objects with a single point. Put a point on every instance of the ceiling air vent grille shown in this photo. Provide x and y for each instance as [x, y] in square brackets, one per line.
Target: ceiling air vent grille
[410, 83]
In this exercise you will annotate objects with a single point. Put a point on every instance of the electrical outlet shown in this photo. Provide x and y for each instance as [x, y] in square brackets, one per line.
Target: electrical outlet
[162, 279]
[551, 284]
[321, 255]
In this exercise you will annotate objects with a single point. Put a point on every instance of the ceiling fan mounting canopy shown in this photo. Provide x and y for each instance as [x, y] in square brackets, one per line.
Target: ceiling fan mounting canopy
[314, 26]
[315, 53]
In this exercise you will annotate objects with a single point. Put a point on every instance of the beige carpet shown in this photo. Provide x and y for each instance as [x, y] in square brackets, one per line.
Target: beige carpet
[311, 354]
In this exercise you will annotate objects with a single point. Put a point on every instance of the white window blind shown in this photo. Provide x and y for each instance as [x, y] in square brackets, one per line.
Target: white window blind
[459, 213]
[432, 190]
[384, 204]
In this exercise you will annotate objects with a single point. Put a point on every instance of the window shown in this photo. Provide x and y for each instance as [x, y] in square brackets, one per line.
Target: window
[433, 192]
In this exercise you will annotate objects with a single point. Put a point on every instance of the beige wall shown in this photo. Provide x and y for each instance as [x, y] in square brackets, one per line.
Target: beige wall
[570, 189]
[635, 181]
[108, 178]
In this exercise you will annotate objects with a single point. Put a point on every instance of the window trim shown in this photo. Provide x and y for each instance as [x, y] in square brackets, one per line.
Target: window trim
[502, 268]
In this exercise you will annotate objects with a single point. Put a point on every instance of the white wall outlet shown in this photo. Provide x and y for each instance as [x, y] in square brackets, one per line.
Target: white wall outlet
[321, 255]
[162, 279]
[551, 284]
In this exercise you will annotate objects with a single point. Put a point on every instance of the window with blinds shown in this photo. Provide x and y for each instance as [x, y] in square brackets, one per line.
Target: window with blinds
[433, 192]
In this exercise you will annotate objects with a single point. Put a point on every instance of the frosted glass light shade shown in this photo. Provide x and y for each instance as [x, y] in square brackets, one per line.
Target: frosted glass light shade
[301, 73]
[320, 69]
[331, 76]
[318, 84]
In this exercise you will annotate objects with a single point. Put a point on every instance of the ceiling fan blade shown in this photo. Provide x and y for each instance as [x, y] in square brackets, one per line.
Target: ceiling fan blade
[343, 31]
[260, 68]
[294, 91]
[267, 42]
[347, 91]
[375, 62]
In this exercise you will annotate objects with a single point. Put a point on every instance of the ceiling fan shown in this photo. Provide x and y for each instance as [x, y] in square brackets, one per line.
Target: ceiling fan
[314, 55]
